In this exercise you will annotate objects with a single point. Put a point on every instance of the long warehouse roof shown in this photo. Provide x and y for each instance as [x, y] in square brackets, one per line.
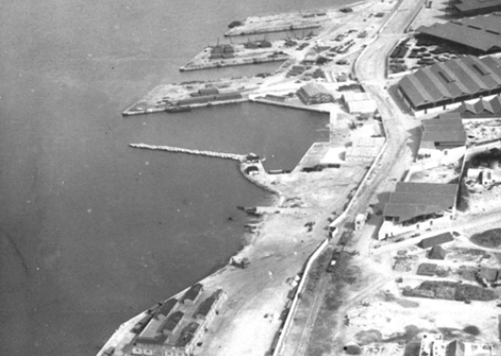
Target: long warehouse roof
[452, 79]
[482, 33]
[473, 5]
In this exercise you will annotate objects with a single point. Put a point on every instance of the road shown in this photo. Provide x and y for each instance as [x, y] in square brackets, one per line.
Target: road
[370, 69]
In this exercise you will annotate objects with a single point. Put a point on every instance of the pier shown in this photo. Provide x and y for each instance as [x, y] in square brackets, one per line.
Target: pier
[232, 156]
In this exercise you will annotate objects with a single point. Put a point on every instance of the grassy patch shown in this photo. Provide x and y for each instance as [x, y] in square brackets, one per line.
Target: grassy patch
[489, 238]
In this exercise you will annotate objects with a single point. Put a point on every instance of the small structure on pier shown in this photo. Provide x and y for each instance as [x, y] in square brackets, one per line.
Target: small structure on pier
[314, 93]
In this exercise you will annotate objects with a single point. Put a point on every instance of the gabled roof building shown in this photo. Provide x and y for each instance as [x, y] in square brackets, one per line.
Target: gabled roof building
[451, 82]
[442, 134]
[485, 108]
[416, 205]
[477, 35]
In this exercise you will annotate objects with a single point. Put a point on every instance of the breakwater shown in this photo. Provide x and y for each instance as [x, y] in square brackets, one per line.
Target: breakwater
[233, 156]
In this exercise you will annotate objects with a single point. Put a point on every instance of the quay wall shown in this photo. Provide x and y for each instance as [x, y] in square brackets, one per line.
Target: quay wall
[232, 156]
[188, 107]
[290, 106]
[233, 62]
[242, 32]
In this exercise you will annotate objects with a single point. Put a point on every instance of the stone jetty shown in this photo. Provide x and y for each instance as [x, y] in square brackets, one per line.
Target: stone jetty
[233, 156]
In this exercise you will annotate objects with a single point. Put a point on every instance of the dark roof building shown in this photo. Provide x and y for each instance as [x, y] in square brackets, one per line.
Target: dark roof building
[479, 35]
[314, 93]
[452, 81]
[436, 253]
[426, 269]
[412, 201]
[443, 133]
[482, 108]
[167, 307]
[187, 334]
[192, 294]
[171, 321]
[436, 240]
[475, 7]
[206, 306]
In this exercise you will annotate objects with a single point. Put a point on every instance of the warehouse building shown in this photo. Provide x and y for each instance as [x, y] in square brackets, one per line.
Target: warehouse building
[450, 82]
[476, 35]
[476, 7]
[442, 138]
[314, 93]
[416, 206]
[483, 108]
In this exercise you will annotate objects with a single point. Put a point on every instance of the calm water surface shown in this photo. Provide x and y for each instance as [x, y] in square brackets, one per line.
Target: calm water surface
[91, 231]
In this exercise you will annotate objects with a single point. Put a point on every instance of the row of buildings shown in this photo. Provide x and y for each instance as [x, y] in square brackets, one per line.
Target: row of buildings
[176, 327]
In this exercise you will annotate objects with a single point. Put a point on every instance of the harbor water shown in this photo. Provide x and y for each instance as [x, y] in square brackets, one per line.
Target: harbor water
[93, 231]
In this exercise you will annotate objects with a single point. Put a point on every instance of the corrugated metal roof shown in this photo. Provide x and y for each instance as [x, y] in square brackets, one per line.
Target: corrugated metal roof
[463, 76]
[485, 22]
[446, 130]
[411, 200]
